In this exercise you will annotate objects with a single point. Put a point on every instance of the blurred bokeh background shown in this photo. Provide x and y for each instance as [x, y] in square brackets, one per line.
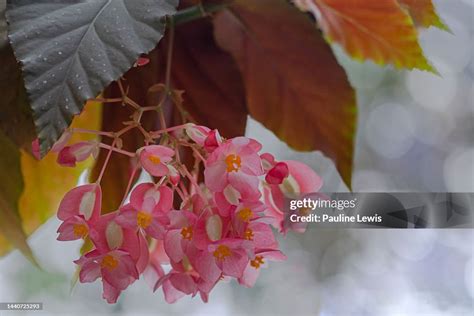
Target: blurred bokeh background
[415, 133]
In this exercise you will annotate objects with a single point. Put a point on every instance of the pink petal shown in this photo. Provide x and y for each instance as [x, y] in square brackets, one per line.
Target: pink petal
[215, 176]
[205, 264]
[262, 235]
[171, 293]
[110, 293]
[249, 277]
[172, 244]
[308, 180]
[277, 174]
[247, 185]
[90, 272]
[156, 229]
[124, 274]
[163, 153]
[234, 265]
[83, 200]
[183, 283]
[127, 218]
[66, 229]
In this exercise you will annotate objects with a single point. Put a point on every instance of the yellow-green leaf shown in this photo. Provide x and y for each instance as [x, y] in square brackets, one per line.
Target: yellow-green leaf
[11, 186]
[45, 182]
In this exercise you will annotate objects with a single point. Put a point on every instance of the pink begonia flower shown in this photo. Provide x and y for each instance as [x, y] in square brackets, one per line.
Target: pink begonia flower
[119, 257]
[79, 209]
[259, 261]
[212, 141]
[179, 234]
[301, 179]
[116, 267]
[70, 155]
[235, 162]
[197, 133]
[154, 159]
[277, 174]
[228, 256]
[73, 228]
[210, 228]
[147, 208]
[245, 212]
[161, 197]
[108, 235]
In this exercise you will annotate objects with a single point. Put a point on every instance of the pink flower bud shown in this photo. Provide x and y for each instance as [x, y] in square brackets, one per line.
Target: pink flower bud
[197, 133]
[174, 175]
[212, 141]
[70, 155]
[268, 161]
[277, 174]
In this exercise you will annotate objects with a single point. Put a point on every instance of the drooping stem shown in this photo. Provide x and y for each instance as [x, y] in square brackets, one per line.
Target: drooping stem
[88, 131]
[120, 151]
[106, 162]
[129, 185]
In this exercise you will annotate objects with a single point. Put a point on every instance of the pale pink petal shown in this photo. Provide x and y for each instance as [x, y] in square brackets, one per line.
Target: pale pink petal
[165, 202]
[90, 272]
[247, 185]
[234, 265]
[156, 229]
[183, 283]
[110, 293]
[173, 247]
[308, 180]
[249, 277]
[127, 218]
[171, 293]
[215, 176]
[262, 235]
[205, 264]
[252, 165]
[138, 194]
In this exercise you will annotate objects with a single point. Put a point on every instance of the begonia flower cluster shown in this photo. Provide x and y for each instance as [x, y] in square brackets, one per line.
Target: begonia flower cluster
[186, 230]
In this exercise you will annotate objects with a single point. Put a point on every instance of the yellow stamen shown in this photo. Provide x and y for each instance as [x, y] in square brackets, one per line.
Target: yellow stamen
[245, 214]
[233, 162]
[80, 230]
[154, 159]
[187, 232]
[257, 262]
[144, 219]
[222, 252]
[109, 263]
[248, 234]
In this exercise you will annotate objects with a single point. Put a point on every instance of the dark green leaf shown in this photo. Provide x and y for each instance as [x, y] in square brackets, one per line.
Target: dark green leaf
[71, 50]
